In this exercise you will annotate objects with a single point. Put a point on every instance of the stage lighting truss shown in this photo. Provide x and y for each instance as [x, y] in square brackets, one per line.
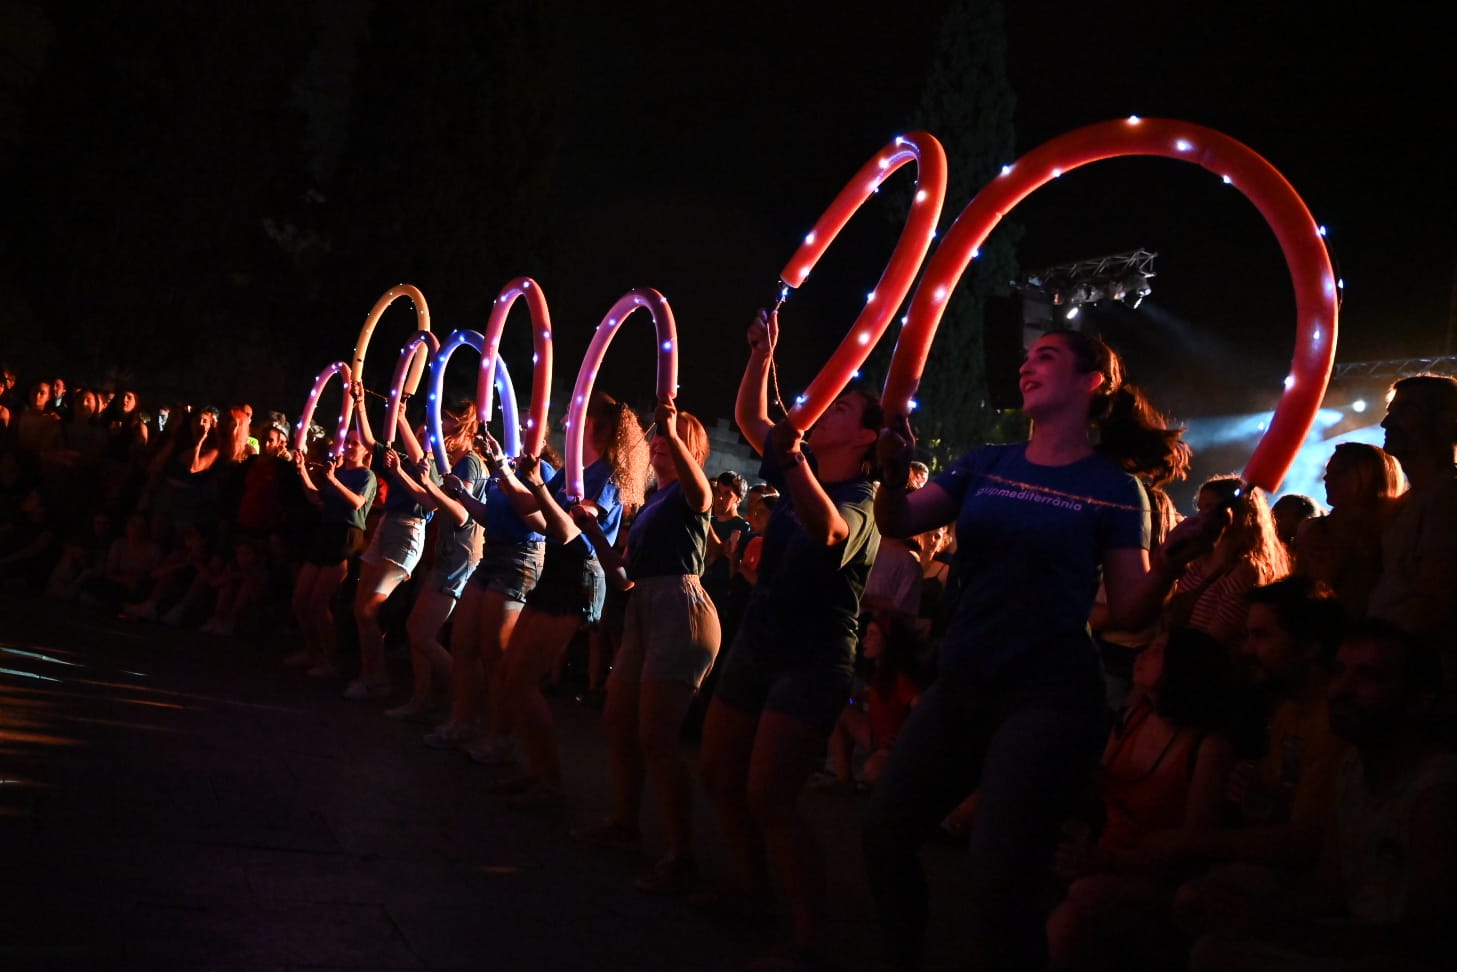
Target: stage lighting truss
[1393, 368]
[1121, 277]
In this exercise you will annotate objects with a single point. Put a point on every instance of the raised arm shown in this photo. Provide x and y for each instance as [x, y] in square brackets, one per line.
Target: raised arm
[818, 515]
[366, 434]
[558, 523]
[697, 492]
[751, 409]
[900, 512]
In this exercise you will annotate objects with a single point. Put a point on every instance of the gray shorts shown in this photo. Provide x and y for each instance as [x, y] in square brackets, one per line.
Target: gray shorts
[398, 540]
[671, 632]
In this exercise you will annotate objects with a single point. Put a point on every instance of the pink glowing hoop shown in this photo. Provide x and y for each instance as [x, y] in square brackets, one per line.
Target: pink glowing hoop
[409, 355]
[1295, 230]
[642, 298]
[346, 410]
[536, 422]
[895, 282]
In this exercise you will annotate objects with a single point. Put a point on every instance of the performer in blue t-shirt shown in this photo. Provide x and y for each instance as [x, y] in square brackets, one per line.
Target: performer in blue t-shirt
[1017, 713]
[785, 679]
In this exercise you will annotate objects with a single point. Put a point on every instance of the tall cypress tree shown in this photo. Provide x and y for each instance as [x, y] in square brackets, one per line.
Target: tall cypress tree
[967, 103]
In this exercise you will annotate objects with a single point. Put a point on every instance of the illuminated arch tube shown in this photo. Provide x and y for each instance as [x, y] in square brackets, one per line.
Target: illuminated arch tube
[422, 323]
[895, 282]
[536, 422]
[346, 410]
[1295, 230]
[642, 298]
[409, 355]
[438, 363]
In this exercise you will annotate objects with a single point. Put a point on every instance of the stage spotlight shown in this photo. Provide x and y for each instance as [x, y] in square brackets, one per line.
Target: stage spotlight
[1072, 312]
[1359, 405]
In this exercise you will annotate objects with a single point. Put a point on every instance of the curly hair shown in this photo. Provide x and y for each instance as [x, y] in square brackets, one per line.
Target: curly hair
[620, 441]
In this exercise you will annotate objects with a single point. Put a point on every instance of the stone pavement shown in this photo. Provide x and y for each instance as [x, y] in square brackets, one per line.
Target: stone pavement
[170, 799]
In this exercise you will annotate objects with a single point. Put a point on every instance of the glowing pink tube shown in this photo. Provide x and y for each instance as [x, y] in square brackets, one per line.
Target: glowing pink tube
[409, 354]
[1295, 230]
[346, 410]
[536, 422]
[656, 305]
[895, 282]
[422, 323]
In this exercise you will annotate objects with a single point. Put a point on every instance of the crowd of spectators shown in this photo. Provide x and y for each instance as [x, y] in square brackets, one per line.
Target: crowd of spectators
[1277, 790]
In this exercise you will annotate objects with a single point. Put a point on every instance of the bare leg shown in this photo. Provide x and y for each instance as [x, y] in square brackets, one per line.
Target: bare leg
[429, 661]
[724, 757]
[535, 646]
[662, 706]
[786, 751]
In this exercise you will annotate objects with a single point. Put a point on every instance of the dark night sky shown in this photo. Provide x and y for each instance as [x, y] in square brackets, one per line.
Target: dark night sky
[697, 151]
[698, 144]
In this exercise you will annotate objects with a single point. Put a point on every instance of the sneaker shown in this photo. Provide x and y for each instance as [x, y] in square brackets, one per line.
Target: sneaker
[360, 690]
[323, 670]
[538, 798]
[448, 736]
[495, 751]
[675, 875]
[412, 711]
[608, 833]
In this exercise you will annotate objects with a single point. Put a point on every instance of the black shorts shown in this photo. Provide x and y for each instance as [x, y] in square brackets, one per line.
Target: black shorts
[333, 543]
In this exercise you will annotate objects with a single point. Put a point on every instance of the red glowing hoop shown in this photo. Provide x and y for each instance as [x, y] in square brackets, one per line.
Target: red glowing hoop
[923, 149]
[1295, 230]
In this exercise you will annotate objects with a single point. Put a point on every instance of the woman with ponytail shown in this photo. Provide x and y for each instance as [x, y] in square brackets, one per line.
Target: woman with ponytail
[1017, 713]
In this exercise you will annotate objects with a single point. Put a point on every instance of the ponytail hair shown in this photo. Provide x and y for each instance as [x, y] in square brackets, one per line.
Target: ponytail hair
[1131, 432]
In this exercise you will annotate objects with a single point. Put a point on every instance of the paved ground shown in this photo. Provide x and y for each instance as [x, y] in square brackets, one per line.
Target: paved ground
[169, 799]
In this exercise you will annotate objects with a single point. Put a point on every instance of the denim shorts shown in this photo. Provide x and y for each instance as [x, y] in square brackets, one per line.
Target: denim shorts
[398, 540]
[572, 582]
[510, 569]
[671, 632]
[816, 695]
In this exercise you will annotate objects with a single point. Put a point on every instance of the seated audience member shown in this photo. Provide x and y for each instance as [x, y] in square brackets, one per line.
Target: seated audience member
[1165, 771]
[1385, 893]
[920, 473]
[127, 575]
[1210, 595]
[890, 648]
[1289, 513]
[38, 431]
[83, 556]
[726, 542]
[29, 547]
[1343, 548]
[241, 589]
[1419, 548]
[1294, 629]
[895, 579]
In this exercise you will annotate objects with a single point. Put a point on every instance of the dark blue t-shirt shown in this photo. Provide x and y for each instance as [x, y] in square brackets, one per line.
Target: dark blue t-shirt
[503, 524]
[666, 537]
[336, 509]
[1030, 542]
[598, 487]
[805, 610]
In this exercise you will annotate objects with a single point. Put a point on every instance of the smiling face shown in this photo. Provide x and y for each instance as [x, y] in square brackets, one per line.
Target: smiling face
[1050, 379]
